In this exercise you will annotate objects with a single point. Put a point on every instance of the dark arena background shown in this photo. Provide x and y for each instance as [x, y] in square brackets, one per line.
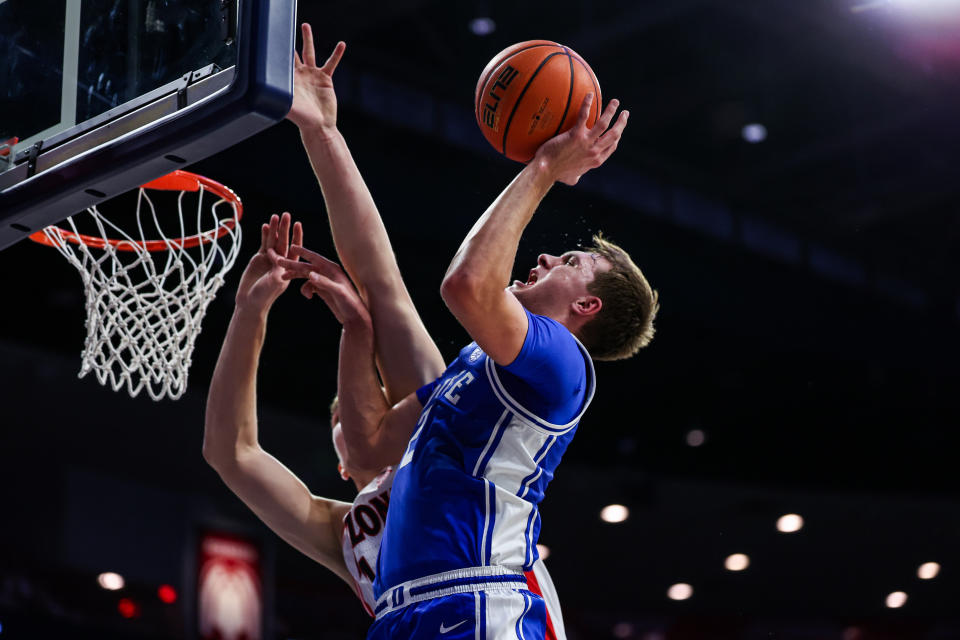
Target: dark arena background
[788, 181]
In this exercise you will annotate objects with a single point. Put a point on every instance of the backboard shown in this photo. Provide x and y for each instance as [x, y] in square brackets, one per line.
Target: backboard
[100, 96]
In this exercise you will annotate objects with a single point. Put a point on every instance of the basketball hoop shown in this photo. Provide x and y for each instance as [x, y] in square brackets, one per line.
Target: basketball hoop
[146, 296]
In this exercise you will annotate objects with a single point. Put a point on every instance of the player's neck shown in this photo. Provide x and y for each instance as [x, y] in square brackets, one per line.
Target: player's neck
[361, 480]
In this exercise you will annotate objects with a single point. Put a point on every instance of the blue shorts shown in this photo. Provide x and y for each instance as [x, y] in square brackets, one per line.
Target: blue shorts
[486, 615]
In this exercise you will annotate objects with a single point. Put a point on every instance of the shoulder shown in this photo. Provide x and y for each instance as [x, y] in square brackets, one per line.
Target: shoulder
[549, 350]
[552, 378]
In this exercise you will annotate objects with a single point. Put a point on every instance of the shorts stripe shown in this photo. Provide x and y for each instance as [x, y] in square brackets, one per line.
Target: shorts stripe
[483, 615]
[526, 607]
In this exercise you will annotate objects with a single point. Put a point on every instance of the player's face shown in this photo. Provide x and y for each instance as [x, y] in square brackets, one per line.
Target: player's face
[558, 281]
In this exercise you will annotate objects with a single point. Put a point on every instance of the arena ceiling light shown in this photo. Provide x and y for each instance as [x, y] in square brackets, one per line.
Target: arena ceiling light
[737, 562]
[896, 599]
[614, 513]
[680, 591]
[696, 437]
[928, 571]
[928, 6]
[789, 523]
[111, 581]
[937, 9]
[483, 26]
[754, 133]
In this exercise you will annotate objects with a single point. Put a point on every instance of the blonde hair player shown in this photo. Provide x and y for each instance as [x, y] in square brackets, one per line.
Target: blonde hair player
[487, 434]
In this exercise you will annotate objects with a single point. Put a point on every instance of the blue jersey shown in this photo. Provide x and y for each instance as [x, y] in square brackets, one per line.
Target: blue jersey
[485, 447]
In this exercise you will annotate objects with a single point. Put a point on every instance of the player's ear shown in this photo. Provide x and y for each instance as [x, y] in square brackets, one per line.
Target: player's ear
[587, 305]
[343, 472]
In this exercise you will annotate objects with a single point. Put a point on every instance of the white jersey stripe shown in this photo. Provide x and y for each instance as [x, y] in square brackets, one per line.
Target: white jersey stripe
[486, 522]
[478, 470]
[477, 624]
[537, 422]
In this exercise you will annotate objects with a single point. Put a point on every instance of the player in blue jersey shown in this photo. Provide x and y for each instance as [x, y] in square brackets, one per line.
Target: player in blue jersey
[488, 434]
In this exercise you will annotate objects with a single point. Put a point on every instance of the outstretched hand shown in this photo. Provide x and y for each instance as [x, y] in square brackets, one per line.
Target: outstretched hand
[571, 154]
[327, 280]
[262, 281]
[314, 100]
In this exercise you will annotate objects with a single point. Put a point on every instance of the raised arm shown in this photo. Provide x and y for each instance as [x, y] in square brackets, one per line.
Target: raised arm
[474, 285]
[311, 524]
[376, 434]
[408, 356]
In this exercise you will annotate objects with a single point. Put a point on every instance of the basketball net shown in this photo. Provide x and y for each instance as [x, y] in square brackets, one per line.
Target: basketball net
[145, 299]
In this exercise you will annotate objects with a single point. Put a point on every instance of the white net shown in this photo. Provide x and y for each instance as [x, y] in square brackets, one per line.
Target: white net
[144, 308]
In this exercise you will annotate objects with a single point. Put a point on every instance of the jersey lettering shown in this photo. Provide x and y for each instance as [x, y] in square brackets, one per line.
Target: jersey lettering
[367, 519]
[463, 379]
[412, 445]
[356, 537]
[380, 503]
[363, 567]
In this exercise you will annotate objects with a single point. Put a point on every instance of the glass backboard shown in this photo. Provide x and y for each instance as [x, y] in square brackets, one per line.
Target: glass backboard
[100, 96]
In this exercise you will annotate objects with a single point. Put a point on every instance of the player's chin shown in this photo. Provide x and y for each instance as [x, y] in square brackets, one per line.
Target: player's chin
[517, 288]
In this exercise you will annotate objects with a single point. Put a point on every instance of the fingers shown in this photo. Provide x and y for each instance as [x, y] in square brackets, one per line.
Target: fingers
[605, 118]
[297, 235]
[269, 239]
[264, 237]
[324, 268]
[323, 288]
[331, 64]
[294, 269]
[283, 234]
[584, 112]
[307, 290]
[314, 258]
[309, 55]
[297, 62]
[609, 140]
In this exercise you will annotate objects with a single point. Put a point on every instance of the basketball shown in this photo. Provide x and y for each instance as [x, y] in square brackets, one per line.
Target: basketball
[530, 92]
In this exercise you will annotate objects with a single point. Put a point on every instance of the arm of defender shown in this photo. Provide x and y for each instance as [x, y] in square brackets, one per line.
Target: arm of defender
[407, 356]
[230, 442]
[376, 434]
[311, 524]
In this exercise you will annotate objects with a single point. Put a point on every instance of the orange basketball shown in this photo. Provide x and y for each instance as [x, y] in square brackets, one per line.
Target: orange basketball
[529, 93]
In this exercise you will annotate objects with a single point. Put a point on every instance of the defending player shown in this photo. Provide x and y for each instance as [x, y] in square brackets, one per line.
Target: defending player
[491, 430]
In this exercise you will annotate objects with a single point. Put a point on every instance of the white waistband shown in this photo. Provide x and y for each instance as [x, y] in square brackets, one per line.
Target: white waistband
[471, 579]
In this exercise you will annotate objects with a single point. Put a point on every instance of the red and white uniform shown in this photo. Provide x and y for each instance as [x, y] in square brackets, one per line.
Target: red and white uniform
[363, 530]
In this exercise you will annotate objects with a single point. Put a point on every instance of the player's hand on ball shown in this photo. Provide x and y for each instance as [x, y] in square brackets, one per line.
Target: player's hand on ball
[571, 154]
[325, 278]
[314, 100]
